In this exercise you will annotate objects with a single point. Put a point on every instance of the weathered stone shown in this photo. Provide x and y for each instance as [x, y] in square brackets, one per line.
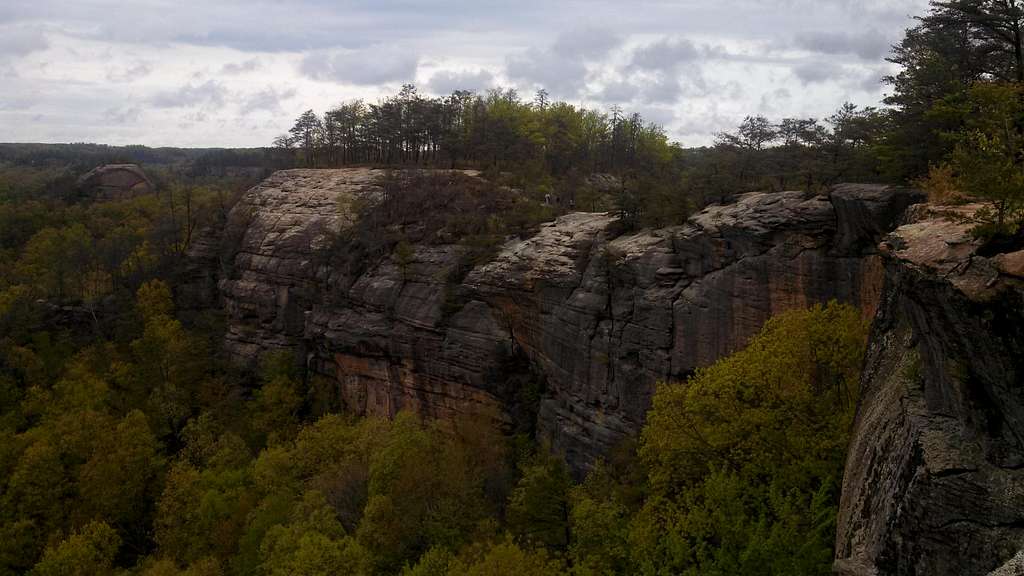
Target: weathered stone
[1013, 567]
[116, 181]
[1012, 263]
[934, 480]
[599, 319]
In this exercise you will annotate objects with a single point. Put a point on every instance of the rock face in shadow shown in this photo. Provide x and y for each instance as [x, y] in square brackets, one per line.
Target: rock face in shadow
[572, 327]
[934, 480]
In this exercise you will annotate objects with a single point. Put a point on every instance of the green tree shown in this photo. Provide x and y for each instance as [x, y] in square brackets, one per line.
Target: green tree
[507, 559]
[538, 508]
[117, 483]
[989, 153]
[89, 552]
[314, 543]
[745, 458]
[154, 300]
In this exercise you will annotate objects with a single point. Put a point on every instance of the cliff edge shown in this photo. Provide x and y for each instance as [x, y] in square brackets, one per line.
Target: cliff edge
[566, 332]
[934, 480]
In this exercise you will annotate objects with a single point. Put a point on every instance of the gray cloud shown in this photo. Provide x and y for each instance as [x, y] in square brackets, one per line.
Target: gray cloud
[136, 71]
[868, 45]
[561, 67]
[233, 68]
[817, 72]
[661, 89]
[15, 104]
[618, 91]
[588, 43]
[562, 77]
[268, 99]
[210, 93]
[871, 80]
[119, 115]
[377, 65]
[666, 54]
[448, 81]
[660, 115]
[824, 72]
[18, 41]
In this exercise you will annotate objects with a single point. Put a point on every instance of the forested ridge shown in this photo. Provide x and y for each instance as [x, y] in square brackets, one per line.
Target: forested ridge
[129, 444]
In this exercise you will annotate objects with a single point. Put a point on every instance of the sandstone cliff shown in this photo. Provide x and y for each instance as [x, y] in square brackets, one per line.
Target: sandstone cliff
[934, 480]
[588, 319]
[116, 181]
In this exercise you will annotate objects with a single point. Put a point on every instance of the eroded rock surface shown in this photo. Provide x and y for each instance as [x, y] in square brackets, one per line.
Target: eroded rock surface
[934, 480]
[116, 181]
[596, 319]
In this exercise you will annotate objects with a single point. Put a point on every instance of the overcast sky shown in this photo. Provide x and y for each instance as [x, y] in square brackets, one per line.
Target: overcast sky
[236, 73]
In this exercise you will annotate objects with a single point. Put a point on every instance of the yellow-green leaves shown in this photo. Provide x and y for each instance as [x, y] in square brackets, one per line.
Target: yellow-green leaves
[745, 457]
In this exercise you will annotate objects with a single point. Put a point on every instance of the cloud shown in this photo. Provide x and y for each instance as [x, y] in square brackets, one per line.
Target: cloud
[710, 62]
[15, 104]
[660, 115]
[666, 54]
[618, 91]
[661, 89]
[136, 71]
[850, 77]
[562, 77]
[867, 45]
[210, 93]
[268, 99]
[376, 65]
[234, 68]
[447, 81]
[871, 79]
[119, 115]
[588, 43]
[561, 68]
[817, 72]
[17, 42]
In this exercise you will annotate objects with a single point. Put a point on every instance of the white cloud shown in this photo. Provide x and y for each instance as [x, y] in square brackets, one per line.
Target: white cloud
[445, 82]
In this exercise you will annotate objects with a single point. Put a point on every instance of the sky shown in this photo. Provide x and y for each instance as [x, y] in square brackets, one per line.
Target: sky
[213, 73]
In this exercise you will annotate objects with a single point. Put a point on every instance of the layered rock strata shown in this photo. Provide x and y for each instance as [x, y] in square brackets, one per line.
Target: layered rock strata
[594, 318]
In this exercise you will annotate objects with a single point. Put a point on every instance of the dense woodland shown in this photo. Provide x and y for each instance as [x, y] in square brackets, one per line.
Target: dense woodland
[128, 445]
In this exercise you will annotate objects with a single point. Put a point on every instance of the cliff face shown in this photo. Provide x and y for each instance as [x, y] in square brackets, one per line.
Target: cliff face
[934, 480]
[589, 320]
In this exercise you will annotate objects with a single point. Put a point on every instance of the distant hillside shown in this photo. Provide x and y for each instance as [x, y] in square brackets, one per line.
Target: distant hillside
[87, 156]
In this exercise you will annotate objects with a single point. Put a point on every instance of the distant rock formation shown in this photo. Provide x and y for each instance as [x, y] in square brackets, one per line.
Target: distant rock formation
[115, 181]
[597, 320]
[934, 480]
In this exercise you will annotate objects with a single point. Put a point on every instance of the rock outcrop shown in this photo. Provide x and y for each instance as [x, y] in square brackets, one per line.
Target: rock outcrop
[588, 320]
[115, 181]
[934, 480]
